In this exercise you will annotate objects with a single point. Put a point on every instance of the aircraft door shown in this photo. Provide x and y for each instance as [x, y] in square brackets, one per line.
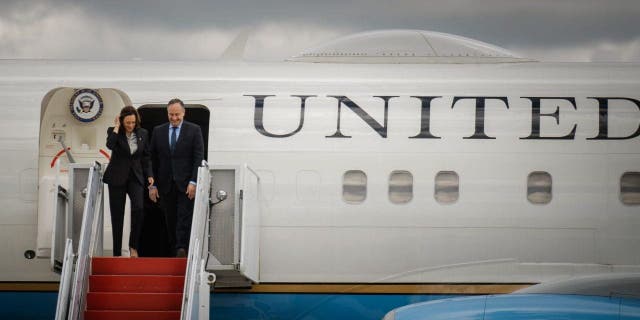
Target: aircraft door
[223, 214]
[73, 129]
[235, 226]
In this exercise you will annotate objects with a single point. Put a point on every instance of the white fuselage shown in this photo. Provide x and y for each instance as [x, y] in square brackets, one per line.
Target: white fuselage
[308, 232]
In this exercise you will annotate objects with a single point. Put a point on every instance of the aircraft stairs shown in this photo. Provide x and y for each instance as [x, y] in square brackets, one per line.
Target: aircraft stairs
[96, 287]
[142, 288]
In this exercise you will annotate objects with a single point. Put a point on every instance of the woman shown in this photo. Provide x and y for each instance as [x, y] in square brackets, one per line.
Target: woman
[126, 173]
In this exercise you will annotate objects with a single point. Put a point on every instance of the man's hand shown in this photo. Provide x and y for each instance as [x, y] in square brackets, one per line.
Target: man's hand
[151, 181]
[191, 191]
[153, 194]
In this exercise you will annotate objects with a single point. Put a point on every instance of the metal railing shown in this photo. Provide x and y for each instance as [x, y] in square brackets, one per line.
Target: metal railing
[76, 277]
[65, 282]
[196, 293]
[59, 230]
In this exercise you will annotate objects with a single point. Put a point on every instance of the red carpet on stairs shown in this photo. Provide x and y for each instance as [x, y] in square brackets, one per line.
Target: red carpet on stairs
[135, 288]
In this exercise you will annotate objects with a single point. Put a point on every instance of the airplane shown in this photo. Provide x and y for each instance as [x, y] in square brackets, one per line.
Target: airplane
[610, 296]
[392, 167]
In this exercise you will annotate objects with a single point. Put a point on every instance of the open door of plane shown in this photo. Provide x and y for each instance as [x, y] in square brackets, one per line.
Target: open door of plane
[235, 226]
[73, 129]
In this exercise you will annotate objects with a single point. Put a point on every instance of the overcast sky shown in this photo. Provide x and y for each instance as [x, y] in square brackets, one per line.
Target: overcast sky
[549, 30]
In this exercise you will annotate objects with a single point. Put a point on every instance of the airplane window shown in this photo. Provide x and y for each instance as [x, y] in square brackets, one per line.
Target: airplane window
[354, 186]
[447, 189]
[539, 187]
[400, 187]
[630, 188]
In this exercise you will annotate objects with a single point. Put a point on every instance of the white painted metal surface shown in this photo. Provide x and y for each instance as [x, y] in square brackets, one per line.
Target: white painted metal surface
[250, 224]
[86, 246]
[66, 279]
[192, 301]
[406, 46]
[304, 238]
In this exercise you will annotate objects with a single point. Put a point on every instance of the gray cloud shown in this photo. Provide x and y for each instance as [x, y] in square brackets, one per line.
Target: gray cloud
[581, 30]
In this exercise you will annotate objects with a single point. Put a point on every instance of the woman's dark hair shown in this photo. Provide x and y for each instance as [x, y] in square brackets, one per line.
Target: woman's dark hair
[127, 111]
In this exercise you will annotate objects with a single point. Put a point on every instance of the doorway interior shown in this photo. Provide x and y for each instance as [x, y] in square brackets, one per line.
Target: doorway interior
[154, 242]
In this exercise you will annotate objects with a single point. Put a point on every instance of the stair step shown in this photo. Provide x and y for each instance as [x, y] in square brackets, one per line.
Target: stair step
[124, 301]
[138, 266]
[136, 283]
[131, 315]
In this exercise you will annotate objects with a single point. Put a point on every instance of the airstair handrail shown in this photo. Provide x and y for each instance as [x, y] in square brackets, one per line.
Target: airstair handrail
[65, 281]
[195, 304]
[56, 217]
[90, 222]
[190, 282]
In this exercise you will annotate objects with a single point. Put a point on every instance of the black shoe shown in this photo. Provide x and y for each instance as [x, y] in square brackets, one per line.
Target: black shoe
[181, 253]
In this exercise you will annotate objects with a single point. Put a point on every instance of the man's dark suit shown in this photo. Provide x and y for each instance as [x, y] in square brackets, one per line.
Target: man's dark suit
[173, 172]
[126, 174]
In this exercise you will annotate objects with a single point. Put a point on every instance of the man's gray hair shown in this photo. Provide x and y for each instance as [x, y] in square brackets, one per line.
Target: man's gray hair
[175, 100]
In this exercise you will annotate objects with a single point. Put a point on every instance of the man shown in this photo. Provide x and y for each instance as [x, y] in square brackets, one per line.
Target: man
[177, 151]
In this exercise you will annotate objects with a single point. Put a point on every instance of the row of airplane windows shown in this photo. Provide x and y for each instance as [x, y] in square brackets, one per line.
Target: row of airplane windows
[447, 186]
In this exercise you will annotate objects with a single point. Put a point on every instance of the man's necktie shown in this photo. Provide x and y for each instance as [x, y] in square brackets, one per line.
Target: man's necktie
[173, 138]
